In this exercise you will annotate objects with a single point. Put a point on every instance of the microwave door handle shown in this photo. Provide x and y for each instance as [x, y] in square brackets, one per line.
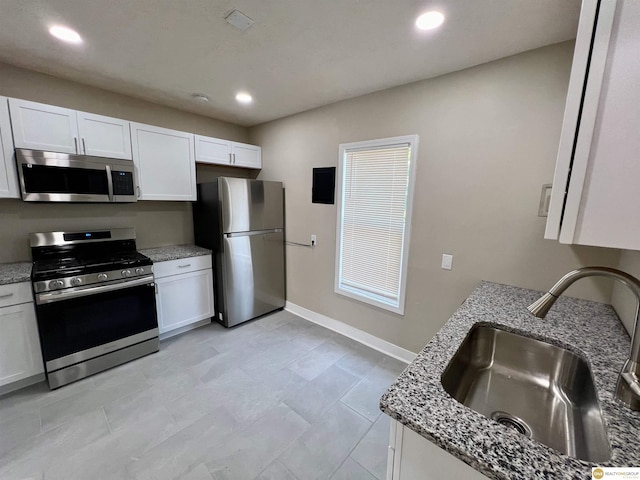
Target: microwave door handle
[109, 182]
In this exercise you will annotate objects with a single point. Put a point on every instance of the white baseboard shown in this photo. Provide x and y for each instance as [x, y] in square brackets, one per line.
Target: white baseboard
[356, 334]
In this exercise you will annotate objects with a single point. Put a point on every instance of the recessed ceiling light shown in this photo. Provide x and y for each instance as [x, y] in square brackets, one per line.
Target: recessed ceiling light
[65, 34]
[429, 20]
[200, 97]
[244, 97]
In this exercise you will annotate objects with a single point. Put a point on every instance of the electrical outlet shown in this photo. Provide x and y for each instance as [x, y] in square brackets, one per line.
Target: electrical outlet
[447, 261]
[313, 241]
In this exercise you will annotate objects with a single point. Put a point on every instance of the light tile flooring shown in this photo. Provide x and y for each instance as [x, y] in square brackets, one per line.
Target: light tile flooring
[278, 398]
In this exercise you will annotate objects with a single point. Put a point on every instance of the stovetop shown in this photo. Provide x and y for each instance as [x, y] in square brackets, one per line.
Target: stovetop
[49, 268]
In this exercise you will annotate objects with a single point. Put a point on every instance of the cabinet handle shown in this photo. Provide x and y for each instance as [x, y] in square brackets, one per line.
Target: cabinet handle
[75, 144]
[231, 158]
[234, 158]
[184, 266]
[155, 285]
[84, 147]
[6, 295]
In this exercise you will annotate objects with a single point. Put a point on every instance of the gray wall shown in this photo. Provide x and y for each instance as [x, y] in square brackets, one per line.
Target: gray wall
[488, 141]
[156, 223]
[622, 299]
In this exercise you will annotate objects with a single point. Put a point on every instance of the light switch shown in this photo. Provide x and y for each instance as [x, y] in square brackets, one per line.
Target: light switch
[447, 261]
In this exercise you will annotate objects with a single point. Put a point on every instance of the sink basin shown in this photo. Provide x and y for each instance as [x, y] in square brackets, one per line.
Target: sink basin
[538, 389]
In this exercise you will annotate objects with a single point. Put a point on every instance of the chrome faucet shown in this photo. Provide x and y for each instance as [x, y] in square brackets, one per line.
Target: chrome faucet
[628, 386]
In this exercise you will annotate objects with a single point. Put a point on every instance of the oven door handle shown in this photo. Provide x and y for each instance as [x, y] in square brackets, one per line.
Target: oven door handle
[69, 294]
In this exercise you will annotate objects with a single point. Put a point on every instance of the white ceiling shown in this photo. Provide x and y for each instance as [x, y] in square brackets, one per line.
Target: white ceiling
[299, 54]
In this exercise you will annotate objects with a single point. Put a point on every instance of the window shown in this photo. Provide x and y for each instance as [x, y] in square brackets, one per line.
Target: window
[375, 188]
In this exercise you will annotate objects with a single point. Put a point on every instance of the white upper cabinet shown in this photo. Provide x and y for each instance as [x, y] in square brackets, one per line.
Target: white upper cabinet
[595, 198]
[213, 150]
[165, 163]
[38, 126]
[43, 127]
[244, 155]
[225, 152]
[8, 176]
[104, 136]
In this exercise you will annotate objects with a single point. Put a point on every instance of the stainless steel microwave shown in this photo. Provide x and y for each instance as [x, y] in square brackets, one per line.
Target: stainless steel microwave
[63, 177]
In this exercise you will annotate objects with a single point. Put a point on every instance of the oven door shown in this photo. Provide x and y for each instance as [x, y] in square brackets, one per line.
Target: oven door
[82, 323]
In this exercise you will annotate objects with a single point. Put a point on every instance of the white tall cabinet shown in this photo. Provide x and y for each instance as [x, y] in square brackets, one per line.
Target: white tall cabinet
[20, 356]
[8, 174]
[38, 126]
[595, 198]
[165, 164]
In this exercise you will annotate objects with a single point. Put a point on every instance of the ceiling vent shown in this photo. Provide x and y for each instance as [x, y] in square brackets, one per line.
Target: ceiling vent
[239, 20]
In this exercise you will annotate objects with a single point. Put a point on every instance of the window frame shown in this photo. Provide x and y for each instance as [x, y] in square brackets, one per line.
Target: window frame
[412, 140]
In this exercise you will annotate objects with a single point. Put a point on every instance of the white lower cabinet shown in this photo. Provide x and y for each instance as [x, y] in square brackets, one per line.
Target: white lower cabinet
[413, 457]
[184, 292]
[20, 355]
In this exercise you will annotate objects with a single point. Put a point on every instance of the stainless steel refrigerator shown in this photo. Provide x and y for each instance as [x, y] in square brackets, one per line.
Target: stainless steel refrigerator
[242, 221]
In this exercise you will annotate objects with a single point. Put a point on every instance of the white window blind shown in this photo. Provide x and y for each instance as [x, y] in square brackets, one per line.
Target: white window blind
[372, 228]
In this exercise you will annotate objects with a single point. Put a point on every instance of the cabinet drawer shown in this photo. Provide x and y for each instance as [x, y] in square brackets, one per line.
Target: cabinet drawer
[15, 293]
[182, 265]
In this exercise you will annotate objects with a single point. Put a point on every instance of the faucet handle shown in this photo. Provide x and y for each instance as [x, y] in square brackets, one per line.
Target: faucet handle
[628, 387]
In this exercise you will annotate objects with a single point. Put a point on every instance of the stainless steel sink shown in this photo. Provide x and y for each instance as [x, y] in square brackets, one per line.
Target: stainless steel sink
[538, 389]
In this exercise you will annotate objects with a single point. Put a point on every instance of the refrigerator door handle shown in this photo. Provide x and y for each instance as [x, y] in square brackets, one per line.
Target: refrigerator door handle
[252, 232]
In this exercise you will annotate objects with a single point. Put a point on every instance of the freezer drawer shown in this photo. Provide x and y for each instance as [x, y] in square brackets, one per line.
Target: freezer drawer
[253, 270]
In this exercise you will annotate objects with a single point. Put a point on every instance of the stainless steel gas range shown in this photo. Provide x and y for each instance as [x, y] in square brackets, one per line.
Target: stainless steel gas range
[95, 301]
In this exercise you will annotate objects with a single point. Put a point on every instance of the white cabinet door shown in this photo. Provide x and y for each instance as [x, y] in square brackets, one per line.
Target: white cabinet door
[104, 136]
[8, 174]
[245, 155]
[20, 355]
[43, 127]
[595, 196]
[165, 164]
[184, 299]
[213, 150]
[415, 457]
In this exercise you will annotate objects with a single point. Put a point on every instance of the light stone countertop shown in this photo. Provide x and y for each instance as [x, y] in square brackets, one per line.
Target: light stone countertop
[174, 252]
[15, 272]
[592, 330]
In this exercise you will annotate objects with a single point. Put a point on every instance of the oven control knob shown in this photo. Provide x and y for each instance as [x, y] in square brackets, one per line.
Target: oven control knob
[126, 273]
[56, 284]
[75, 281]
[102, 277]
[139, 271]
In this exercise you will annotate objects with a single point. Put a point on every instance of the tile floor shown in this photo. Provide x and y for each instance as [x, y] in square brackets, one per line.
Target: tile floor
[278, 398]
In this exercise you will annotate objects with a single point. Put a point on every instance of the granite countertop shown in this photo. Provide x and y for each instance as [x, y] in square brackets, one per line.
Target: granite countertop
[174, 252]
[592, 330]
[15, 272]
